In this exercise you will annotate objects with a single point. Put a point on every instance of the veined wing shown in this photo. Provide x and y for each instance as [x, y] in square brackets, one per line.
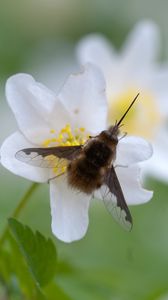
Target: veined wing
[48, 157]
[114, 200]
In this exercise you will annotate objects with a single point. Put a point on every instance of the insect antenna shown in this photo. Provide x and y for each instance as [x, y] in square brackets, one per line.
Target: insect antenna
[119, 122]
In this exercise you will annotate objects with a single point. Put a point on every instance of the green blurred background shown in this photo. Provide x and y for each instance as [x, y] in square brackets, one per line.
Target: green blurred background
[39, 37]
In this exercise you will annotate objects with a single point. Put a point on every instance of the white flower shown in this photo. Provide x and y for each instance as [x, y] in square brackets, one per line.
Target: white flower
[42, 117]
[134, 70]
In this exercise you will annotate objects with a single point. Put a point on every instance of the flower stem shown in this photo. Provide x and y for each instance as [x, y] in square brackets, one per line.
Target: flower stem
[19, 208]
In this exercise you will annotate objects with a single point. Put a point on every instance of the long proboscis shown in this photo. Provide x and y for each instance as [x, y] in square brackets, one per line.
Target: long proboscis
[119, 122]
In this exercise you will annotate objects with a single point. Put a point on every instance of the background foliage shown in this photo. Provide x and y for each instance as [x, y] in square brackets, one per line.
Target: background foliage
[39, 37]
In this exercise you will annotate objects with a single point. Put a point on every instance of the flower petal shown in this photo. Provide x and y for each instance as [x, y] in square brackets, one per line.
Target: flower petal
[156, 166]
[96, 49]
[69, 210]
[132, 149]
[11, 145]
[129, 179]
[157, 83]
[83, 95]
[32, 104]
[141, 47]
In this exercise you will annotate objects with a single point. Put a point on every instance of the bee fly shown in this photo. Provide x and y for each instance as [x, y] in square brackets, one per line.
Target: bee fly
[90, 166]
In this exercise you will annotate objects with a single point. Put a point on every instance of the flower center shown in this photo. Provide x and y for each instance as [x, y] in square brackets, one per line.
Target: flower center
[65, 137]
[143, 118]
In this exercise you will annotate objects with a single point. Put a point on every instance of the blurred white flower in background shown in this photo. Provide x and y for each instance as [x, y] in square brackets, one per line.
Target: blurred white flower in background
[42, 119]
[135, 69]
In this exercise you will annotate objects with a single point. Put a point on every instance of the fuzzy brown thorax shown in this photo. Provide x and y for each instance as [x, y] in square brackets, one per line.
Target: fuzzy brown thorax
[86, 172]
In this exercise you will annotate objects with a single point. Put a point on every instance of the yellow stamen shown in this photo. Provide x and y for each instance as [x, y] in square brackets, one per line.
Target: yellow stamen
[66, 137]
[82, 129]
[52, 131]
[46, 143]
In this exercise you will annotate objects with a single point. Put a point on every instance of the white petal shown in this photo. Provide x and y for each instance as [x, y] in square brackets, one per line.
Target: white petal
[69, 210]
[156, 168]
[132, 149]
[32, 104]
[141, 47]
[157, 165]
[11, 145]
[96, 49]
[83, 96]
[157, 82]
[129, 179]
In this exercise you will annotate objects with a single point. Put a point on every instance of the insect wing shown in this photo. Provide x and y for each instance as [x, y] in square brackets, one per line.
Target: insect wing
[48, 157]
[114, 200]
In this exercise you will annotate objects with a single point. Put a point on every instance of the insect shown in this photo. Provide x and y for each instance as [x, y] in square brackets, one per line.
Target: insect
[90, 166]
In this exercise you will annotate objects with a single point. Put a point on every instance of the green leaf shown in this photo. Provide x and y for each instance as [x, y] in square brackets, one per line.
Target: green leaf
[28, 286]
[39, 252]
[53, 292]
[5, 267]
[21, 278]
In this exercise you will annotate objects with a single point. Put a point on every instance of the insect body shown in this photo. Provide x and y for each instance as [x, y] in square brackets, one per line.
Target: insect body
[90, 166]
[88, 170]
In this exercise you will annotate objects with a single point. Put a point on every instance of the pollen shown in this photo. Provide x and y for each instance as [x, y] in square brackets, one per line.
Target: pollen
[52, 131]
[82, 129]
[46, 143]
[65, 137]
[143, 119]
